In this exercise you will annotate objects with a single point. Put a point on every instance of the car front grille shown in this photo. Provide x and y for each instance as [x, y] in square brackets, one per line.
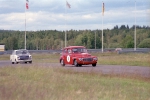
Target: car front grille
[24, 57]
[87, 59]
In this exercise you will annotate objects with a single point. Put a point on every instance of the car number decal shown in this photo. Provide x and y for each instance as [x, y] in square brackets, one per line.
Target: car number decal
[68, 58]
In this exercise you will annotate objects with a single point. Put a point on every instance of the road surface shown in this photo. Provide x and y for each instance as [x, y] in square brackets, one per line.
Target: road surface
[103, 69]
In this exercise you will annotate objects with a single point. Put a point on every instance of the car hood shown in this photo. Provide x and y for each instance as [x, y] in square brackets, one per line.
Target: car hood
[23, 55]
[83, 55]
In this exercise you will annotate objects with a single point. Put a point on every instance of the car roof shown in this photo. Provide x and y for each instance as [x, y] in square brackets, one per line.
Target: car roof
[21, 50]
[74, 47]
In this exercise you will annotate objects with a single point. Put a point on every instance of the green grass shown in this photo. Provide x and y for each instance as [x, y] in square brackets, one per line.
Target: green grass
[132, 59]
[57, 83]
[46, 57]
[5, 57]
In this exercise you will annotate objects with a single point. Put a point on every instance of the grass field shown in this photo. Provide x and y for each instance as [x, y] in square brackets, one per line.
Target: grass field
[57, 83]
[132, 59]
[51, 83]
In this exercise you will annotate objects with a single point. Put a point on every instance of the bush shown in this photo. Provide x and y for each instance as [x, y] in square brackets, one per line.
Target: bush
[145, 43]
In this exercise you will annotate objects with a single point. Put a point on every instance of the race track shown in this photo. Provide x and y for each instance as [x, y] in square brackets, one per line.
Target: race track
[103, 69]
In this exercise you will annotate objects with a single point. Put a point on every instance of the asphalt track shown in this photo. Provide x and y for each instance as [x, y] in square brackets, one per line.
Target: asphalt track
[122, 70]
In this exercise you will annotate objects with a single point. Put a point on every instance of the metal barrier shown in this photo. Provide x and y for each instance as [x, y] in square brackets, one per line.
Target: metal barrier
[130, 50]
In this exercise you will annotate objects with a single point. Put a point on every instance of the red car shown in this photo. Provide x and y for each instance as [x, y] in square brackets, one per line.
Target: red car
[78, 56]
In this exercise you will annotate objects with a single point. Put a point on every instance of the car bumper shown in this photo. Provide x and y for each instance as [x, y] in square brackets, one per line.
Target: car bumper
[86, 63]
[28, 60]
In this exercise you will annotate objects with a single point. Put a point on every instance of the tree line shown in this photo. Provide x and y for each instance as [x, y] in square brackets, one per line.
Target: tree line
[122, 37]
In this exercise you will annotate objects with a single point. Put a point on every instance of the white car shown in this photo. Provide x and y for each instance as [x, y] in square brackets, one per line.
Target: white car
[21, 55]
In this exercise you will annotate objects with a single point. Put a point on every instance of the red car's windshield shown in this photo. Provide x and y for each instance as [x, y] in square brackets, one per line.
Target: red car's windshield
[79, 50]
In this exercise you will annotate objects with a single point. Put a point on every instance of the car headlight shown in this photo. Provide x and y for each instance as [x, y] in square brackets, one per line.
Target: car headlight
[30, 56]
[95, 59]
[80, 59]
[18, 57]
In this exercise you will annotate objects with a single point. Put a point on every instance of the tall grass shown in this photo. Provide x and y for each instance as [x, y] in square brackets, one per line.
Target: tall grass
[46, 57]
[5, 57]
[56, 83]
[132, 59]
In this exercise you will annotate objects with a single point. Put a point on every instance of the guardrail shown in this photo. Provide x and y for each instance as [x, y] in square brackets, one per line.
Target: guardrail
[138, 50]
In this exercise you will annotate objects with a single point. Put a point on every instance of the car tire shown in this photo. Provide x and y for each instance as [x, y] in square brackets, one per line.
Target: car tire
[94, 65]
[75, 63]
[62, 62]
[12, 62]
[80, 65]
[16, 61]
[30, 62]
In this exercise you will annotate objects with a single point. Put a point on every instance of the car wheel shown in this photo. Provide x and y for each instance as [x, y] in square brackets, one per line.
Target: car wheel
[62, 62]
[30, 62]
[94, 65]
[75, 63]
[80, 65]
[16, 61]
[26, 62]
[12, 62]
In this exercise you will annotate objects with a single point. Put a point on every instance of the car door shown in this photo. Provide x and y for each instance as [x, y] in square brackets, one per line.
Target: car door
[13, 55]
[69, 56]
[65, 52]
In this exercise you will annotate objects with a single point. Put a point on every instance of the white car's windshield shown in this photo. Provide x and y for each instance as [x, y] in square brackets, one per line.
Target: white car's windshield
[22, 52]
[79, 50]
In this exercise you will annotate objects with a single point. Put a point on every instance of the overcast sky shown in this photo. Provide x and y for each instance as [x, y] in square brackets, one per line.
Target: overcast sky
[83, 14]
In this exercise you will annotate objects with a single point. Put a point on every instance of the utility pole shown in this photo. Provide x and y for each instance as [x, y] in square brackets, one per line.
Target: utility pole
[135, 30]
[95, 39]
[102, 25]
[69, 6]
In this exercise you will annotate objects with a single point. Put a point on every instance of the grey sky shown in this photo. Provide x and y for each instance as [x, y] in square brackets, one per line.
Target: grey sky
[83, 14]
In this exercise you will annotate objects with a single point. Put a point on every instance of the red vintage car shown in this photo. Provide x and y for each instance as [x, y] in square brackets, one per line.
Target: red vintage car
[77, 56]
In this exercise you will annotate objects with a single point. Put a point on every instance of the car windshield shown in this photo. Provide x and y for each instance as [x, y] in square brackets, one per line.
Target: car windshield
[79, 50]
[22, 52]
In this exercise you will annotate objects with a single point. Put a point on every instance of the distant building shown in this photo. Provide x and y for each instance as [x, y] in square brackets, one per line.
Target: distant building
[2, 47]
